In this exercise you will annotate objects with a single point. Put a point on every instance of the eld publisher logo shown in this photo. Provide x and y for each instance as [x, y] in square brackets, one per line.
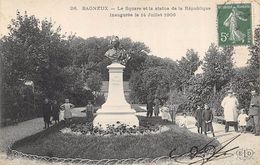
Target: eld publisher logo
[245, 154]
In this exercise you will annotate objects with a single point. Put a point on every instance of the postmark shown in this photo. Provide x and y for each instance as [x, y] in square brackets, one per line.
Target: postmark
[234, 24]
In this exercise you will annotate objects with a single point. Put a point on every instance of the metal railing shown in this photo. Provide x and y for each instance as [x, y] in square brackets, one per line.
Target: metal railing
[11, 153]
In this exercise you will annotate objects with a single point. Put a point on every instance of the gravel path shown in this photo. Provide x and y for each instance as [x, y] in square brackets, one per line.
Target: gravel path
[11, 134]
[246, 142]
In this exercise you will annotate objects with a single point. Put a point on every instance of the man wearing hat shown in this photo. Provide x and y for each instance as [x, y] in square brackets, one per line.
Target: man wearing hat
[254, 112]
[198, 117]
[230, 104]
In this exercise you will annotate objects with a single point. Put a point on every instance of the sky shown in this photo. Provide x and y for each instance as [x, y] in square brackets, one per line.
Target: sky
[165, 36]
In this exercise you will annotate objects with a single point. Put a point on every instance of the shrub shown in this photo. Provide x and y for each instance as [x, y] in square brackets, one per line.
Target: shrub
[111, 147]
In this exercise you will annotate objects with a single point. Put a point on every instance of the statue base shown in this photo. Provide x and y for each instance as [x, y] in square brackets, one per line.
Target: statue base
[116, 110]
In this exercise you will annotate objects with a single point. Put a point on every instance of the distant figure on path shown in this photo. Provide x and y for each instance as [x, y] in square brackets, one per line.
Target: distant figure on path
[15, 112]
[46, 110]
[254, 112]
[165, 113]
[67, 106]
[55, 111]
[89, 111]
[156, 107]
[230, 104]
[207, 117]
[242, 120]
[149, 108]
[198, 117]
[184, 121]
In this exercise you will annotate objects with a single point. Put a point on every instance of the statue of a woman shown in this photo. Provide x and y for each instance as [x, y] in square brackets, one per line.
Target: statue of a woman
[232, 23]
[115, 54]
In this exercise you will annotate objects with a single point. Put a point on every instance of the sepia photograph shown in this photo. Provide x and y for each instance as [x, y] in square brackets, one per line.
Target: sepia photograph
[137, 82]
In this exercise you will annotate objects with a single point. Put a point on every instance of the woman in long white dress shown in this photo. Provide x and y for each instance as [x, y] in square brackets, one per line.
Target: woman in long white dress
[67, 106]
[232, 23]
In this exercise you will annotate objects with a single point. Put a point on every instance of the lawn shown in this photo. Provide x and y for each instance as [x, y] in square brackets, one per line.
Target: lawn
[52, 142]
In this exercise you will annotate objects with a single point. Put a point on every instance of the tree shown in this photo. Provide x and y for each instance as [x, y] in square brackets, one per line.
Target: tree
[138, 93]
[241, 85]
[35, 51]
[218, 66]
[76, 87]
[209, 86]
[154, 79]
[153, 82]
[187, 67]
[254, 53]
[198, 91]
[92, 50]
[137, 56]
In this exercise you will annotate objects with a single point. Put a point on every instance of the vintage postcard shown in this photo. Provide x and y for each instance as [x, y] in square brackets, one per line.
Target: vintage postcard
[129, 82]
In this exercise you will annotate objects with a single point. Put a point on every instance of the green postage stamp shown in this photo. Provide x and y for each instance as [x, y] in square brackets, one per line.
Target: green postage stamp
[234, 24]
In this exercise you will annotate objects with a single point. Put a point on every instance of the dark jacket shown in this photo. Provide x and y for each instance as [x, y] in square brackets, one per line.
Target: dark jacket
[149, 106]
[55, 110]
[198, 115]
[254, 106]
[207, 115]
[46, 110]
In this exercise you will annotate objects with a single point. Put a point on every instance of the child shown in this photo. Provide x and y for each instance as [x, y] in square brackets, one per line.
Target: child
[207, 117]
[61, 116]
[89, 111]
[242, 119]
[184, 121]
[55, 111]
[165, 113]
[67, 106]
[156, 107]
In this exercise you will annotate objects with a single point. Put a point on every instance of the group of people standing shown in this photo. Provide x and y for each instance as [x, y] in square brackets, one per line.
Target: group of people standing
[232, 115]
[58, 113]
[204, 118]
[62, 112]
[154, 107]
[239, 118]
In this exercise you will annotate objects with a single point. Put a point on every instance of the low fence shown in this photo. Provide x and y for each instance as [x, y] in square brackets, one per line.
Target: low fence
[11, 153]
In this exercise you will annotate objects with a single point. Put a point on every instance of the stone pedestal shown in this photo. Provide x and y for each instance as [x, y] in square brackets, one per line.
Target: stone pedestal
[115, 109]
